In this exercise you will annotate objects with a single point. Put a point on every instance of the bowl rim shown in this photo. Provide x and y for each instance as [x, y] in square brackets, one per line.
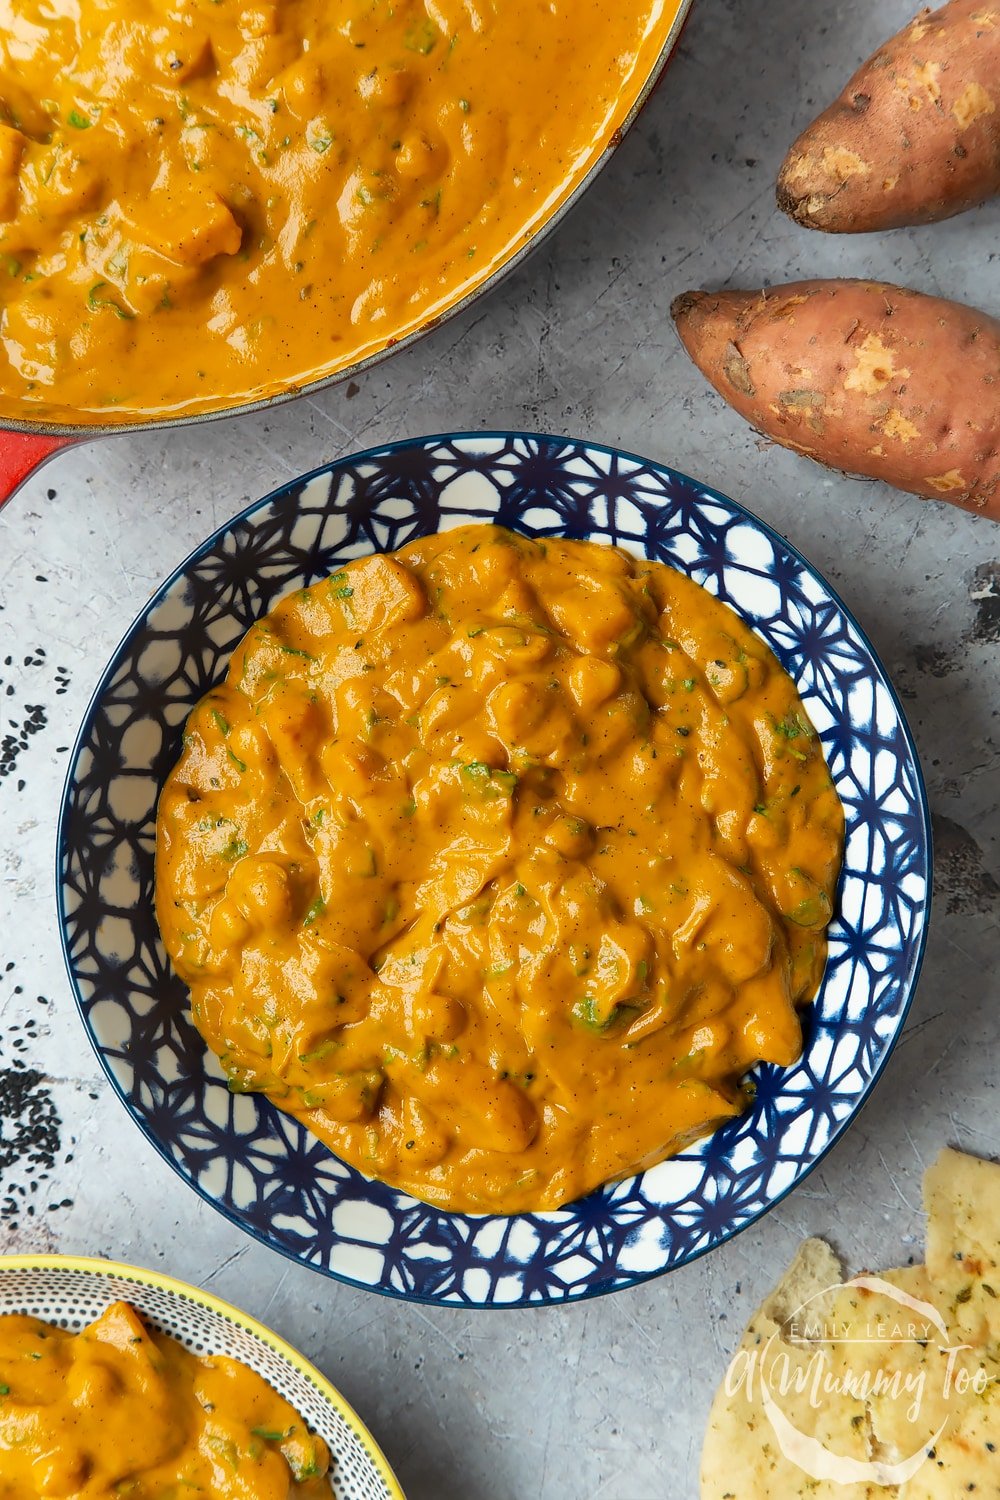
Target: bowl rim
[280, 494]
[94, 1265]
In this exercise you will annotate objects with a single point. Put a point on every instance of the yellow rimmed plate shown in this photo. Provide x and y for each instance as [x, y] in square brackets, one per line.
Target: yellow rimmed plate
[71, 1291]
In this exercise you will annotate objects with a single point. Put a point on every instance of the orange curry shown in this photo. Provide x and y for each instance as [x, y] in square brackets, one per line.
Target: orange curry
[118, 1412]
[499, 863]
[209, 200]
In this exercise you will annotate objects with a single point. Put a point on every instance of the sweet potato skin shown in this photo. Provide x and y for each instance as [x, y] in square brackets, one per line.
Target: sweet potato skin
[862, 376]
[914, 137]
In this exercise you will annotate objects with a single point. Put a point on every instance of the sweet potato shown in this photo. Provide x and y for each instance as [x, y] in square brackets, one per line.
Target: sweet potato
[914, 137]
[861, 376]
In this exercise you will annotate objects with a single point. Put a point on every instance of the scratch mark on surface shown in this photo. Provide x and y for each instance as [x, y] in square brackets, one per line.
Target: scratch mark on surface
[913, 1147]
[346, 433]
[277, 1288]
[920, 1026]
[899, 1191]
[941, 1057]
[976, 1130]
[223, 1264]
[439, 1331]
[634, 1323]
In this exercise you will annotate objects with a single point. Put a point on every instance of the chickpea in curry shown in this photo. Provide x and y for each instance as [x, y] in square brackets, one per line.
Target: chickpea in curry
[500, 863]
[207, 201]
[118, 1411]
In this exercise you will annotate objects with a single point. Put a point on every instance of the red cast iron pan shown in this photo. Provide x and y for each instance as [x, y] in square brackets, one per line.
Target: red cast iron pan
[24, 446]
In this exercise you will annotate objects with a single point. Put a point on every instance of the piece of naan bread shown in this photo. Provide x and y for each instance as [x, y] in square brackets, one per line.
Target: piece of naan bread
[883, 1388]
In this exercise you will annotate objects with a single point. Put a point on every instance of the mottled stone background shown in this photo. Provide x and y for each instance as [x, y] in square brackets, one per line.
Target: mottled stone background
[607, 1400]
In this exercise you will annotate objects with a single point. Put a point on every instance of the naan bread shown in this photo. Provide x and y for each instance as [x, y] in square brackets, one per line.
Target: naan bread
[962, 1198]
[741, 1458]
[856, 1357]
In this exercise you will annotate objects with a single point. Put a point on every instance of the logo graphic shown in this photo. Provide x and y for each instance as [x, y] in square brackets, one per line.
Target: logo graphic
[869, 1344]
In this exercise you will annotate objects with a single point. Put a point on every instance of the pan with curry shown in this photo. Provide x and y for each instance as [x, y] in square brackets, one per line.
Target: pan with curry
[209, 202]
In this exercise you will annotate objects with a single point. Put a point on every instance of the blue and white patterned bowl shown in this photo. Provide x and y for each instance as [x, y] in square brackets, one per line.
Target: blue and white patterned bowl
[261, 1168]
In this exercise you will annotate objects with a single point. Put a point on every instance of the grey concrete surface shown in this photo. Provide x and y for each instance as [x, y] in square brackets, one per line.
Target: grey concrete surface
[604, 1401]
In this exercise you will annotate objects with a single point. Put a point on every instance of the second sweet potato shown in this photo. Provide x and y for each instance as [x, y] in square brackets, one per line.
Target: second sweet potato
[914, 137]
[861, 376]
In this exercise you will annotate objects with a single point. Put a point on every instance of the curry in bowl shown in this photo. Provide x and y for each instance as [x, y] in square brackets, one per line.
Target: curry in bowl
[121, 1410]
[209, 202]
[500, 863]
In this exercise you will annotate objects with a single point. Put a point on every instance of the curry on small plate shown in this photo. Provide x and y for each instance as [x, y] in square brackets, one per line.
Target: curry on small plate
[503, 1225]
[117, 1380]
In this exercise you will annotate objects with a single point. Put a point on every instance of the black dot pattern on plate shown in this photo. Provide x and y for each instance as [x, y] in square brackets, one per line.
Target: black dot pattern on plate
[72, 1297]
[260, 1167]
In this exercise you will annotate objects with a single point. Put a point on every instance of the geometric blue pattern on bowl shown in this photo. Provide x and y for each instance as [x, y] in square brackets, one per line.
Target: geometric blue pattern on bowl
[261, 1168]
